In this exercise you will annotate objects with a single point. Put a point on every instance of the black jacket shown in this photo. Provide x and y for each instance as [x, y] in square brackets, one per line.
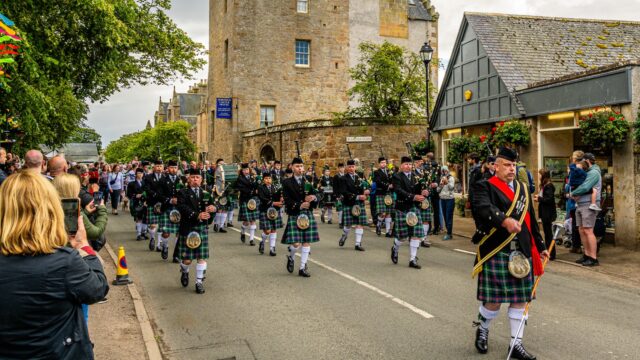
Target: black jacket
[348, 189]
[40, 316]
[267, 196]
[405, 189]
[151, 187]
[190, 207]
[246, 188]
[167, 190]
[547, 204]
[489, 206]
[382, 181]
[294, 196]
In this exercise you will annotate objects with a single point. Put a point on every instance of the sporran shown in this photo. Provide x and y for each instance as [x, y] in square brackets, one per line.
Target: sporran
[252, 204]
[519, 265]
[272, 213]
[412, 219]
[193, 240]
[356, 210]
[174, 216]
[303, 222]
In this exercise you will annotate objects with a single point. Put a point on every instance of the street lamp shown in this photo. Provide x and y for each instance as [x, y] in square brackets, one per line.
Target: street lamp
[426, 53]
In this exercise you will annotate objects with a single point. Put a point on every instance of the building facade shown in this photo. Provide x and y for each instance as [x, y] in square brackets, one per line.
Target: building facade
[278, 66]
[547, 73]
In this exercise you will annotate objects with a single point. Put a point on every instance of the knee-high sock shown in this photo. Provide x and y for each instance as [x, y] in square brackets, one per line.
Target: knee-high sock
[413, 248]
[345, 230]
[143, 228]
[304, 256]
[243, 229]
[396, 244]
[272, 240]
[160, 240]
[380, 220]
[138, 228]
[152, 232]
[515, 316]
[223, 220]
[264, 237]
[485, 316]
[200, 269]
[216, 219]
[252, 231]
[184, 267]
[425, 227]
[340, 216]
[387, 224]
[329, 213]
[230, 216]
[292, 251]
[359, 233]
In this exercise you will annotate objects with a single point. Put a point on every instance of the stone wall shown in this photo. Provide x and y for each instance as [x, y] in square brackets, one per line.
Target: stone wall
[393, 18]
[325, 143]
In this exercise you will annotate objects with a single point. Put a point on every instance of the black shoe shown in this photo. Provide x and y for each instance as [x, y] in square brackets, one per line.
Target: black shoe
[378, 230]
[216, 228]
[199, 288]
[184, 278]
[388, 235]
[139, 237]
[176, 260]
[425, 243]
[520, 353]
[261, 247]
[290, 264]
[591, 262]
[229, 224]
[152, 244]
[304, 272]
[243, 237]
[158, 249]
[165, 252]
[342, 240]
[144, 236]
[394, 255]
[329, 222]
[482, 339]
[221, 230]
[582, 259]
[251, 243]
[414, 264]
[340, 225]
[272, 252]
[359, 248]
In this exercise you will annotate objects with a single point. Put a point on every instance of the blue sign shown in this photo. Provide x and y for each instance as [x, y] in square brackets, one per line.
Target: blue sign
[223, 108]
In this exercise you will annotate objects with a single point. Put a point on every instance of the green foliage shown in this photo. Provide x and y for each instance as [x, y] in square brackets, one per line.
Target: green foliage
[389, 83]
[461, 204]
[169, 136]
[85, 134]
[604, 129]
[511, 133]
[75, 51]
[636, 129]
[421, 147]
[461, 146]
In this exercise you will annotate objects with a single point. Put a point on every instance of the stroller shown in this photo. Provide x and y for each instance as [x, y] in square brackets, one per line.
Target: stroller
[562, 230]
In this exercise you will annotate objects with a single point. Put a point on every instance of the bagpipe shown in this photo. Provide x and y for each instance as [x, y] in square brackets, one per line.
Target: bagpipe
[193, 240]
[421, 180]
[362, 184]
[302, 221]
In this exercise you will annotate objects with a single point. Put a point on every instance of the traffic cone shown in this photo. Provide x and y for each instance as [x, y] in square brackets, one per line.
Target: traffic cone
[122, 273]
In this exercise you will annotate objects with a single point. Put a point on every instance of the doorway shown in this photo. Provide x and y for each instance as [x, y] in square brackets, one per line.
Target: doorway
[267, 153]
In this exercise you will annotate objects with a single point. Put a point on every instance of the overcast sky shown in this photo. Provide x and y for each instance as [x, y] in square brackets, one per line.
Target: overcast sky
[129, 110]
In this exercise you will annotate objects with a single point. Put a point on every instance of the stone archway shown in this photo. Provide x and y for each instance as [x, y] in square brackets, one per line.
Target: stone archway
[268, 153]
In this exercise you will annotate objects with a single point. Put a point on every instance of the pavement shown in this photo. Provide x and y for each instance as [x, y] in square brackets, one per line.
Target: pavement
[359, 305]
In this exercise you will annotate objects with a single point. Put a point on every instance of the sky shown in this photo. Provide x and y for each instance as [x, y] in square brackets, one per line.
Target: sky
[129, 110]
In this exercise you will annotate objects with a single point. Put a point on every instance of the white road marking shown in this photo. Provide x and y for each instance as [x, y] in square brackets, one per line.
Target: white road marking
[464, 251]
[365, 284]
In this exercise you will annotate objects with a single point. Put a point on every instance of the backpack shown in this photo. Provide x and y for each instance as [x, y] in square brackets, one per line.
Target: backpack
[532, 186]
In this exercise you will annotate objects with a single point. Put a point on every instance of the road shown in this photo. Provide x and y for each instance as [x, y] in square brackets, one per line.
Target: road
[358, 305]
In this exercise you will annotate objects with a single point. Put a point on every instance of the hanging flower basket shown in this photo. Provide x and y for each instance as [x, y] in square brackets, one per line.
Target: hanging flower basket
[511, 133]
[604, 130]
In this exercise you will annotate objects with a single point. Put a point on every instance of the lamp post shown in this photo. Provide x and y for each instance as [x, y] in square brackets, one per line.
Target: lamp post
[426, 53]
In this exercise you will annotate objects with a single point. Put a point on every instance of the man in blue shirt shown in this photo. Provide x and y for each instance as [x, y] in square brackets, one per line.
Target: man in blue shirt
[586, 216]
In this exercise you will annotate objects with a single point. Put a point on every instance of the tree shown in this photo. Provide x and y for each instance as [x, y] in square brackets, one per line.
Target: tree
[144, 144]
[74, 51]
[85, 134]
[389, 83]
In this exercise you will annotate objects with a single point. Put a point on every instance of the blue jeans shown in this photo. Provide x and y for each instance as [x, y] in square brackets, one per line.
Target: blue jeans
[447, 205]
[85, 312]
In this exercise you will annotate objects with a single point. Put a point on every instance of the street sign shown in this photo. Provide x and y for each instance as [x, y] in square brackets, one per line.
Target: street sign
[359, 139]
[223, 108]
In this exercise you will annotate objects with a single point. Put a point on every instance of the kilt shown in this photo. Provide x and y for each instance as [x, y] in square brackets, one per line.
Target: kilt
[497, 285]
[247, 215]
[202, 252]
[339, 205]
[424, 215]
[137, 215]
[233, 203]
[266, 224]
[381, 207]
[223, 208]
[349, 220]
[294, 235]
[166, 225]
[152, 217]
[403, 230]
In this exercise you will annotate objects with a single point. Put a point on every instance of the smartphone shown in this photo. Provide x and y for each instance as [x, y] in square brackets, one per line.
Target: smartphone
[97, 198]
[71, 209]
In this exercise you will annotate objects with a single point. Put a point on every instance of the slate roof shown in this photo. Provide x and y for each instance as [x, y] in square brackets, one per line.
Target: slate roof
[419, 12]
[189, 104]
[526, 50]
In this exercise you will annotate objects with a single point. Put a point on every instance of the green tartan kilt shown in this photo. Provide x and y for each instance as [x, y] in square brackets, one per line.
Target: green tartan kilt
[403, 230]
[381, 207]
[223, 208]
[233, 204]
[152, 217]
[293, 235]
[166, 225]
[497, 285]
[137, 216]
[266, 224]
[424, 215]
[349, 220]
[247, 215]
[202, 252]
[339, 205]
